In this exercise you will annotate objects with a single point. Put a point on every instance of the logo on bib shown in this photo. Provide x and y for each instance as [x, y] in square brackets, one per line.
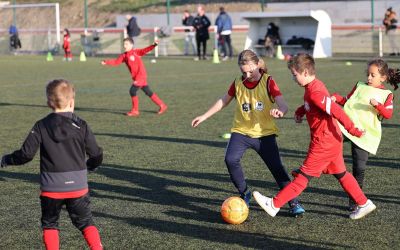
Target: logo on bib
[259, 106]
[132, 58]
[246, 107]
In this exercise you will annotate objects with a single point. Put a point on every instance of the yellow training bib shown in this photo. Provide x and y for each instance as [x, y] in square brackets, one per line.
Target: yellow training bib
[252, 116]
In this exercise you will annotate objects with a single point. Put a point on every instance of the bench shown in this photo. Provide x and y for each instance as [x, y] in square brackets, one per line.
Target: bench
[291, 49]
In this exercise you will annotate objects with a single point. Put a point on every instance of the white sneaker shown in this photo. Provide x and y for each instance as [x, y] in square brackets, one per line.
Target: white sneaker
[265, 203]
[226, 58]
[363, 210]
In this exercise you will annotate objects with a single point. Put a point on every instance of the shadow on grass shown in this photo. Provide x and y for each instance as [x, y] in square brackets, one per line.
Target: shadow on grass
[158, 190]
[381, 162]
[222, 235]
[389, 125]
[219, 144]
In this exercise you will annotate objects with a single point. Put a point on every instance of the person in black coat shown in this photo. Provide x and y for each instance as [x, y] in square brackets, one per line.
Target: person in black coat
[201, 23]
[132, 29]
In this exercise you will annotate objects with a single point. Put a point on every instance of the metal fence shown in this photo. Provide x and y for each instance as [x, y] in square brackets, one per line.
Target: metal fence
[348, 40]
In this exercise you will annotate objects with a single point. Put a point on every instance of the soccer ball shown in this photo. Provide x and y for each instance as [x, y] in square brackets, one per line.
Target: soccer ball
[234, 210]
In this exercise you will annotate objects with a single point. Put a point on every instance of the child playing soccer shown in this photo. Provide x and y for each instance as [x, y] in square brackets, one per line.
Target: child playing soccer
[132, 59]
[325, 149]
[367, 104]
[64, 140]
[253, 126]
[67, 46]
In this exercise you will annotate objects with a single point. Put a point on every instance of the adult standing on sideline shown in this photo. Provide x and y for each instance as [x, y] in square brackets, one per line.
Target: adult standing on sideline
[390, 22]
[224, 31]
[187, 20]
[132, 29]
[201, 24]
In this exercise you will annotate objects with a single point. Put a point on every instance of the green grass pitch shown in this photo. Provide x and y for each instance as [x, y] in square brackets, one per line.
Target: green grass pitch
[162, 182]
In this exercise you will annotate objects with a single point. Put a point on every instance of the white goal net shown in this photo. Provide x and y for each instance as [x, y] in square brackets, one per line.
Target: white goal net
[38, 27]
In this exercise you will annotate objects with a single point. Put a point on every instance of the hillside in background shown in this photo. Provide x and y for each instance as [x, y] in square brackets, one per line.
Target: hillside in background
[102, 13]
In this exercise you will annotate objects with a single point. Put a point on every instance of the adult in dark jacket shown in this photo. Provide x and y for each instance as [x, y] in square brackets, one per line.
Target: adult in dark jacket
[132, 29]
[187, 21]
[65, 141]
[201, 24]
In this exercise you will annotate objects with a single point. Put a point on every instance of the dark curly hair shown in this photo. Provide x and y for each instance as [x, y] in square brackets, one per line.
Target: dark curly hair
[393, 75]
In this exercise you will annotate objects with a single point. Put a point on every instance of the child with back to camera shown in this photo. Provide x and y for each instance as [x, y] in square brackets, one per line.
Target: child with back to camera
[254, 127]
[325, 154]
[367, 105]
[64, 141]
[132, 58]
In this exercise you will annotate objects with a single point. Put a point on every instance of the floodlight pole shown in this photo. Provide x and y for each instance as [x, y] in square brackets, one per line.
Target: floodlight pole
[86, 14]
[372, 15]
[168, 7]
[14, 14]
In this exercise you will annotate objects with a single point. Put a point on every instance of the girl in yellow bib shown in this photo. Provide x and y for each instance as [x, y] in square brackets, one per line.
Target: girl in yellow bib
[254, 127]
[367, 104]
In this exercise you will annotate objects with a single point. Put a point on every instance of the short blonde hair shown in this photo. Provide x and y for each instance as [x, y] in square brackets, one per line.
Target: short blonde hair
[301, 62]
[59, 92]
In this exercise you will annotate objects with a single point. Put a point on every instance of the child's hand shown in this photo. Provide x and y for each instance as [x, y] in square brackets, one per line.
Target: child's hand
[276, 113]
[298, 119]
[357, 132]
[373, 102]
[333, 98]
[103, 62]
[196, 121]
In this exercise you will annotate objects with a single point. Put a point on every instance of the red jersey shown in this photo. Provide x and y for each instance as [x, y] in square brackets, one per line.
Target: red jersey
[67, 43]
[272, 87]
[384, 109]
[325, 150]
[134, 62]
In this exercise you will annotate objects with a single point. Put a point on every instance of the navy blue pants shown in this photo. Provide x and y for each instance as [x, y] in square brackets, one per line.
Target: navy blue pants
[267, 149]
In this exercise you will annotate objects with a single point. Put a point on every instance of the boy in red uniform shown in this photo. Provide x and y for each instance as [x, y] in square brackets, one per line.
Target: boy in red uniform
[67, 46]
[64, 140]
[132, 59]
[326, 146]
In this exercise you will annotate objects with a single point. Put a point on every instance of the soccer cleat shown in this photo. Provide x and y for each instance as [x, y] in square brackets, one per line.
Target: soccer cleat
[352, 205]
[363, 210]
[246, 196]
[265, 203]
[162, 109]
[296, 209]
[132, 113]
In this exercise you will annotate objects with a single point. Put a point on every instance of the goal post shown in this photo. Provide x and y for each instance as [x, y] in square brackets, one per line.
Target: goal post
[38, 27]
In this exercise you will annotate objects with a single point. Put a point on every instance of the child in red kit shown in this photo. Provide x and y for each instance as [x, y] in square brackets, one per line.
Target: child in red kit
[325, 154]
[132, 59]
[67, 46]
[65, 141]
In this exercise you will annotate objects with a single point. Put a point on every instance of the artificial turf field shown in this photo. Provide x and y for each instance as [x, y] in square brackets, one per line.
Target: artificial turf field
[162, 182]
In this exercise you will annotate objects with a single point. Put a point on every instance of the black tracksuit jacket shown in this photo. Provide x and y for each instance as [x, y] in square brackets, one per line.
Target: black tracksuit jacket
[65, 141]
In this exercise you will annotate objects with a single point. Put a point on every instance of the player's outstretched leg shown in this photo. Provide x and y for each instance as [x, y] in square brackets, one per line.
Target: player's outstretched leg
[160, 103]
[135, 107]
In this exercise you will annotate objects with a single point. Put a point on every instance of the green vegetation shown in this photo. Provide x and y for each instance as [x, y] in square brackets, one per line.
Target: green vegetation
[162, 182]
